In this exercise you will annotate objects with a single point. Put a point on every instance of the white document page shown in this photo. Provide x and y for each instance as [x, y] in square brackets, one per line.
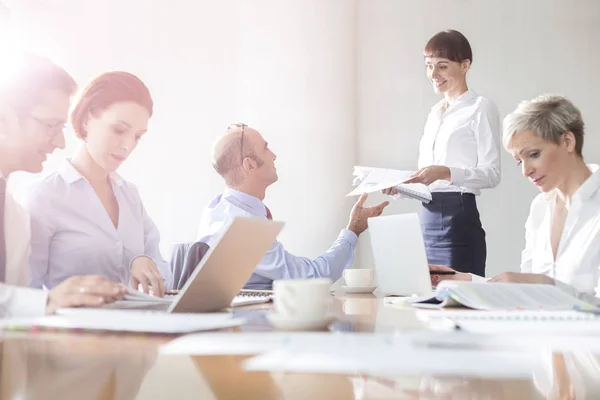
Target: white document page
[509, 296]
[559, 323]
[127, 321]
[377, 179]
[461, 315]
[579, 328]
[259, 342]
[398, 358]
[136, 295]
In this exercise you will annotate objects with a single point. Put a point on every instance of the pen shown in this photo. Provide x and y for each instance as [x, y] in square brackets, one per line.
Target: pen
[442, 272]
[443, 324]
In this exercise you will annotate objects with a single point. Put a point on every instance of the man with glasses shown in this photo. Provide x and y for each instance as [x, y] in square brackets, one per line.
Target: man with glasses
[34, 105]
[247, 164]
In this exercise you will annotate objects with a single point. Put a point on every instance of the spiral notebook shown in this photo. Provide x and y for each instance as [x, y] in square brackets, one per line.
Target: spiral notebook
[244, 298]
[416, 191]
[248, 297]
[534, 316]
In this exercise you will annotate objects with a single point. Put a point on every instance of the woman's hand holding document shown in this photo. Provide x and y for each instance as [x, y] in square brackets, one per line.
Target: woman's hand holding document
[370, 180]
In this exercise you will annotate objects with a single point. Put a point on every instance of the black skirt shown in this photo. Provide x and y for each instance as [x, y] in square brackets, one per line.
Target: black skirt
[452, 232]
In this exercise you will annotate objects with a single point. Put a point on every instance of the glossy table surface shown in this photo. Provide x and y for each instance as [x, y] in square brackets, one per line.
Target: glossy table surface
[62, 365]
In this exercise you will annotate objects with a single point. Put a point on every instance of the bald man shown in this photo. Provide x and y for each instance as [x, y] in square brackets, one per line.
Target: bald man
[243, 159]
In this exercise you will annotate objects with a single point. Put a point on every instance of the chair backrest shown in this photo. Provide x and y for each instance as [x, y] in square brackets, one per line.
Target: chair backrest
[184, 259]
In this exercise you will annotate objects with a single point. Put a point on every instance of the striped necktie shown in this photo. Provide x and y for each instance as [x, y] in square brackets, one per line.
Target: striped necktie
[269, 215]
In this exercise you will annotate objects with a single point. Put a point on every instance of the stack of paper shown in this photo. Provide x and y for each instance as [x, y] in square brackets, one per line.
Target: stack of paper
[126, 321]
[365, 353]
[397, 361]
[500, 296]
[135, 295]
[559, 323]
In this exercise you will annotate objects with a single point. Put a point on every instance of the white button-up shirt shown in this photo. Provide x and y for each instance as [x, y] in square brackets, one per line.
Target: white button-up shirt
[277, 263]
[577, 265]
[466, 139]
[16, 299]
[72, 234]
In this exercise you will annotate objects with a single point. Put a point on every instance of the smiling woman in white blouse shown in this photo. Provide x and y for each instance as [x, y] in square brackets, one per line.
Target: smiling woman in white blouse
[85, 218]
[459, 155]
[545, 136]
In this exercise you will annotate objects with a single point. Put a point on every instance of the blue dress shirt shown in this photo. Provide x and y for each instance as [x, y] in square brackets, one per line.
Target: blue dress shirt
[277, 263]
[72, 234]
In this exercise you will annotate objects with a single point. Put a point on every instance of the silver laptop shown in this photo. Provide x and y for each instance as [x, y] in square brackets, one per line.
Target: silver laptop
[218, 278]
[399, 251]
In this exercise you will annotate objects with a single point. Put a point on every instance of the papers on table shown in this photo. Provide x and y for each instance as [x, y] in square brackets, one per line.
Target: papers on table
[451, 353]
[368, 353]
[126, 321]
[558, 323]
[248, 342]
[500, 296]
[135, 295]
[464, 315]
[398, 360]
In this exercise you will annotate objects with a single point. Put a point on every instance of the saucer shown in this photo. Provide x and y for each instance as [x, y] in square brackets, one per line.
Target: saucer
[287, 324]
[359, 289]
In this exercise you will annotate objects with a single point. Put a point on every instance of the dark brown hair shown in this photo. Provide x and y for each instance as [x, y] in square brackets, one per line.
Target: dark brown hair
[105, 90]
[449, 44]
[30, 75]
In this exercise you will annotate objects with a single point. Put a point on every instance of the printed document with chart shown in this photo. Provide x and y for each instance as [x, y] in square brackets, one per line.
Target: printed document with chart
[372, 179]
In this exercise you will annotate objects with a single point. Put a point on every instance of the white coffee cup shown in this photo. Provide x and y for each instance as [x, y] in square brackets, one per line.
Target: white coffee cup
[302, 298]
[359, 277]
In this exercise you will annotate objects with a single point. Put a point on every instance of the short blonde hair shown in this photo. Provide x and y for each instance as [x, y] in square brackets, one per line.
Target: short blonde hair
[548, 117]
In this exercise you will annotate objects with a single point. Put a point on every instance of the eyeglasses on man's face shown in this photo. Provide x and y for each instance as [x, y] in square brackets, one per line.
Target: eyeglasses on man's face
[51, 129]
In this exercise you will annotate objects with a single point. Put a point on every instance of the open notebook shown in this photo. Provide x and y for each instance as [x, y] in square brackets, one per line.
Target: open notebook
[245, 297]
[376, 179]
[500, 296]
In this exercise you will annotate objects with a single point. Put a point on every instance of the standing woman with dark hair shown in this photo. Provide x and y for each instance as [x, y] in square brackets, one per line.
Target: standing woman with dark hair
[85, 218]
[459, 155]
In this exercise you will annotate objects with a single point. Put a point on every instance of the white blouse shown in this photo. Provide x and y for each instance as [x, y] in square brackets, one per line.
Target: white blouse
[72, 234]
[465, 138]
[577, 266]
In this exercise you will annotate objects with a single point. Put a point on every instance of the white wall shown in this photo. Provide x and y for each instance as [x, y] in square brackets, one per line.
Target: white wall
[295, 81]
[284, 67]
[520, 49]
[329, 83]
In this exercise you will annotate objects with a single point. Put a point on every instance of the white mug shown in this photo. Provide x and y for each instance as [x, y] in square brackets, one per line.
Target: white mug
[359, 277]
[302, 298]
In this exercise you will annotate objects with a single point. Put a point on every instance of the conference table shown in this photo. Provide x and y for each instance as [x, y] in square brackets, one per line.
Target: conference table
[67, 365]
